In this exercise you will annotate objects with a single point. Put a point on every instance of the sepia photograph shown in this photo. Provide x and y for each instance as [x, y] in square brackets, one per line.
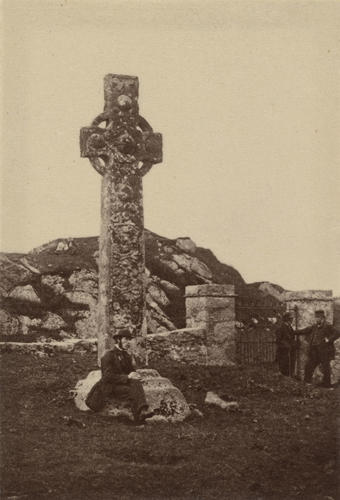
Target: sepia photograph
[170, 250]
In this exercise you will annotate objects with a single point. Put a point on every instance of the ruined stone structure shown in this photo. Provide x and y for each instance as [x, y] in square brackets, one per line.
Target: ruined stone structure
[209, 336]
[303, 305]
[208, 339]
[212, 307]
[122, 151]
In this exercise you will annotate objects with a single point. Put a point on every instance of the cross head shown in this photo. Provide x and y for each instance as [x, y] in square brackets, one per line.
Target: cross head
[126, 137]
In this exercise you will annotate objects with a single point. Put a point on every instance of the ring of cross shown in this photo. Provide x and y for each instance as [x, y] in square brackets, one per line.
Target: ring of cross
[109, 158]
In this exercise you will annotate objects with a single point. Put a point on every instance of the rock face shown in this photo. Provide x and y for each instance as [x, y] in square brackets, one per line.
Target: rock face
[270, 289]
[53, 290]
[164, 400]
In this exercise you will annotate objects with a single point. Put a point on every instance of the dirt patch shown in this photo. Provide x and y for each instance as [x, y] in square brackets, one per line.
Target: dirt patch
[279, 445]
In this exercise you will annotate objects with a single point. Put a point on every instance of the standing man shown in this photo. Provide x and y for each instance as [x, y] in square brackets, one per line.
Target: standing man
[285, 344]
[321, 337]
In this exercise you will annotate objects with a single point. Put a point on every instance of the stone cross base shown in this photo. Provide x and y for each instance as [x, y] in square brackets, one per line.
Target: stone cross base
[164, 400]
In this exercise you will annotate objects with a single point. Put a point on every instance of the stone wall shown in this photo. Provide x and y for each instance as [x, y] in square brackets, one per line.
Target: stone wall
[209, 338]
[187, 345]
[303, 305]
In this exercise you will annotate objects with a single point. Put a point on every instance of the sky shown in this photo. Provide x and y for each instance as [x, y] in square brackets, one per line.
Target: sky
[246, 95]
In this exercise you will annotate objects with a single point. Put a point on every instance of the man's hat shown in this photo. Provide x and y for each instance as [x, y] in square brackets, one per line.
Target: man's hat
[123, 333]
[320, 312]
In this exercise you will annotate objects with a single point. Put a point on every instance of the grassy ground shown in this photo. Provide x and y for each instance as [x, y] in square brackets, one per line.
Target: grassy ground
[280, 445]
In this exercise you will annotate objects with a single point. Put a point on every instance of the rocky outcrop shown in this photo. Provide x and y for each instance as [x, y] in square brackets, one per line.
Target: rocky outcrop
[52, 291]
[271, 289]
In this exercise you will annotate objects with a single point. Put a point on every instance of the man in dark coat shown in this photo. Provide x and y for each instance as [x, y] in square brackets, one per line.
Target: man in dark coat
[116, 366]
[285, 344]
[321, 337]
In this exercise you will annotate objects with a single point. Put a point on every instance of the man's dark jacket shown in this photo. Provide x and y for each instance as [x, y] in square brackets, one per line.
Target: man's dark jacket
[321, 334]
[285, 336]
[116, 365]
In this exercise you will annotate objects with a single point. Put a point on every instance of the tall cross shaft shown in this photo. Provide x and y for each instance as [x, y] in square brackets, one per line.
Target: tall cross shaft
[122, 151]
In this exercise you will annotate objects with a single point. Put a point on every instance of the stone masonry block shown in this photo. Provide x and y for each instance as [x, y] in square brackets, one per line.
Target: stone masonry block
[309, 295]
[227, 314]
[210, 290]
[212, 307]
[219, 302]
[195, 306]
[222, 333]
[196, 323]
[198, 314]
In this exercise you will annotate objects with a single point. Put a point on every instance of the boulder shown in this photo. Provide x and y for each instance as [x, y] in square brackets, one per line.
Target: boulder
[87, 326]
[213, 399]
[24, 261]
[166, 249]
[193, 265]
[170, 289]
[25, 293]
[85, 280]
[157, 314]
[53, 284]
[186, 244]
[53, 321]
[13, 273]
[28, 324]
[158, 295]
[65, 245]
[201, 269]
[169, 265]
[83, 388]
[96, 257]
[9, 325]
[152, 324]
[183, 261]
[81, 298]
[271, 289]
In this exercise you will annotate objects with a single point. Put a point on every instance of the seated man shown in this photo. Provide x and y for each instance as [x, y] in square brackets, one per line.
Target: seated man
[116, 367]
[321, 350]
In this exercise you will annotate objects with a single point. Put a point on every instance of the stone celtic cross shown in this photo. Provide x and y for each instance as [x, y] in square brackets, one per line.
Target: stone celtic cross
[122, 147]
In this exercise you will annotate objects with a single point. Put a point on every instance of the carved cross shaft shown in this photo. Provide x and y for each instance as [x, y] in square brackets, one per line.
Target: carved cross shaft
[122, 151]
